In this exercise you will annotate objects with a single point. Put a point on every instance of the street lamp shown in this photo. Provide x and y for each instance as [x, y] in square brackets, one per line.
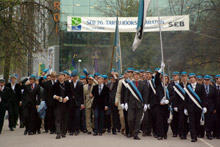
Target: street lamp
[79, 61]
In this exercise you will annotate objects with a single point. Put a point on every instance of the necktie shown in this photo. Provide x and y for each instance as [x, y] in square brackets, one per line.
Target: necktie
[206, 89]
[99, 89]
[136, 83]
[32, 86]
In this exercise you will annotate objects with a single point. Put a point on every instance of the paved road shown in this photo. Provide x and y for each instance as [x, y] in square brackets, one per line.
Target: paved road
[17, 139]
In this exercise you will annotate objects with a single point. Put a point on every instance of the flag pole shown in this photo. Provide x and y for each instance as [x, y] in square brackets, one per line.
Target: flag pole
[161, 45]
[111, 61]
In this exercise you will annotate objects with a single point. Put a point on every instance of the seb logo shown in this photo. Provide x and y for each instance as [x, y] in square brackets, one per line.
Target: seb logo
[76, 23]
[176, 24]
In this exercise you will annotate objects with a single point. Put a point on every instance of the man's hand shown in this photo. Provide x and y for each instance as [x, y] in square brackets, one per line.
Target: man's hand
[65, 100]
[145, 107]
[126, 107]
[27, 82]
[90, 95]
[20, 104]
[37, 106]
[175, 109]
[82, 107]
[106, 108]
[214, 111]
[123, 106]
[185, 112]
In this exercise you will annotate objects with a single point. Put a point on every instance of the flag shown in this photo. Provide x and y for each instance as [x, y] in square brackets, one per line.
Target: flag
[142, 13]
[117, 46]
[73, 63]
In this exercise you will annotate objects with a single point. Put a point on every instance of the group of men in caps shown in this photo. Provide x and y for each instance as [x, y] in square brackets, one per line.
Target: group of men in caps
[138, 102]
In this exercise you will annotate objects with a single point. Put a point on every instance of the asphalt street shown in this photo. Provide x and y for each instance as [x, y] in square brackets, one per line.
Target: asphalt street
[17, 139]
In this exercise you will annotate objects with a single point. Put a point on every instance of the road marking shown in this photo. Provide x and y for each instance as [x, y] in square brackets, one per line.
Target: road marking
[205, 142]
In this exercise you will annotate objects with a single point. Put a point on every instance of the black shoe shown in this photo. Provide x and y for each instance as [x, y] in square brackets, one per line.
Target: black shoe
[209, 137]
[165, 137]
[71, 133]
[109, 131]
[58, 136]
[136, 138]
[38, 132]
[30, 133]
[46, 131]
[183, 137]
[129, 135]
[200, 136]
[84, 131]
[193, 140]
[11, 129]
[89, 133]
[51, 132]
[76, 133]
[114, 133]
[63, 135]
[174, 135]
[100, 134]
[155, 136]
[25, 132]
[95, 134]
[159, 138]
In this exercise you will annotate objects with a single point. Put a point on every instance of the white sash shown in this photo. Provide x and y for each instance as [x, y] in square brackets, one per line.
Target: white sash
[192, 98]
[179, 93]
[152, 87]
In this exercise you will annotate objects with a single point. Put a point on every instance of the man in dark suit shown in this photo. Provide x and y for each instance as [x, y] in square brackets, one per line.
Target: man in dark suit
[62, 95]
[50, 115]
[194, 107]
[114, 109]
[30, 103]
[14, 102]
[76, 104]
[179, 104]
[174, 123]
[100, 104]
[146, 123]
[161, 102]
[5, 96]
[210, 104]
[135, 101]
[217, 115]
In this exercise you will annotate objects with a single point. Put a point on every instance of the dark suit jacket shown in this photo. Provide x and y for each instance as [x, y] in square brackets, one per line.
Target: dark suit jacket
[217, 99]
[101, 100]
[123, 93]
[48, 92]
[56, 91]
[211, 99]
[77, 94]
[31, 98]
[160, 90]
[15, 94]
[112, 92]
[177, 100]
[5, 97]
[132, 101]
[190, 105]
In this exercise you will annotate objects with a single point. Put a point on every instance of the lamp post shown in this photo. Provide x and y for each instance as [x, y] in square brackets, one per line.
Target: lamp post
[79, 61]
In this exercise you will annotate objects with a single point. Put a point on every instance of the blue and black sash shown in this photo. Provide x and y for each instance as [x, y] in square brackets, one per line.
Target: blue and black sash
[180, 91]
[134, 91]
[193, 96]
[152, 86]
